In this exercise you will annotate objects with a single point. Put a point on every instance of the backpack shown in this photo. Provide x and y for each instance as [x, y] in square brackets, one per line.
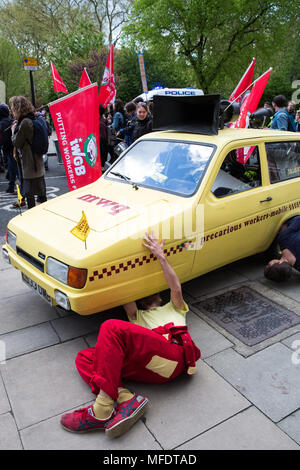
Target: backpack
[291, 124]
[40, 141]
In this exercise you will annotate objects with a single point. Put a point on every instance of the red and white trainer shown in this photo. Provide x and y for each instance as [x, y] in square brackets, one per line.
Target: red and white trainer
[126, 414]
[84, 420]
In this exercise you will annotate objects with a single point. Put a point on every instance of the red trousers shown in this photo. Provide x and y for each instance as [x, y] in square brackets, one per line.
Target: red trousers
[123, 350]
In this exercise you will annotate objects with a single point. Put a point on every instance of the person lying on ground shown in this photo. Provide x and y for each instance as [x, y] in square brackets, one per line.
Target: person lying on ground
[153, 347]
[288, 240]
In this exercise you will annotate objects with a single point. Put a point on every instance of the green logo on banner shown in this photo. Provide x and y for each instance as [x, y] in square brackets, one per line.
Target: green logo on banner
[90, 150]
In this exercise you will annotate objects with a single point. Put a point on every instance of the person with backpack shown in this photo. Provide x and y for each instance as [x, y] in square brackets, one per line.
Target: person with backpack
[7, 147]
[282, 120]
[30, 137]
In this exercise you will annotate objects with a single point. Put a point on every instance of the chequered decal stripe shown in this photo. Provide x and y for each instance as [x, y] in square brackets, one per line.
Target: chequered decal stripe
[133, 263]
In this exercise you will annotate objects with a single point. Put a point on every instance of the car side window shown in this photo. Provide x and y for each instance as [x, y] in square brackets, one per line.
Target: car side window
[283, 160]
[240, 171]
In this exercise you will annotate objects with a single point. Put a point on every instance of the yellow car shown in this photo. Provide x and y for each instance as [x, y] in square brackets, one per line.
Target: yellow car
[191, 189]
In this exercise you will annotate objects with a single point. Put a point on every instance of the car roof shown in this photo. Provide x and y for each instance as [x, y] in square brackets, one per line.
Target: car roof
[224, 136]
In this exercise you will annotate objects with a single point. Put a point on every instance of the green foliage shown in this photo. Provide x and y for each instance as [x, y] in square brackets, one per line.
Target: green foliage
[201, 43]
[11, 70]
[217, 41]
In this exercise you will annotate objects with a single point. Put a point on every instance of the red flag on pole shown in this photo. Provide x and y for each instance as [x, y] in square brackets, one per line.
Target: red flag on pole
[243, 84]
[58, 84]
[252, 99]
[108, 90]
[257, 90]
[85, 79]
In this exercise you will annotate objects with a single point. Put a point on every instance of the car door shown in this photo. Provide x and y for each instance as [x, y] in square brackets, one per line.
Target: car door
[236, 202]
[283, 161]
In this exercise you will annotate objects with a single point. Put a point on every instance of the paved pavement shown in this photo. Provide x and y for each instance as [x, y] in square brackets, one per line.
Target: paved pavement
[240, 398]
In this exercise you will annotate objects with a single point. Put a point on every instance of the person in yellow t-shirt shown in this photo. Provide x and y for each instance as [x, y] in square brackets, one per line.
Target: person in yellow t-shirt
[154, 347]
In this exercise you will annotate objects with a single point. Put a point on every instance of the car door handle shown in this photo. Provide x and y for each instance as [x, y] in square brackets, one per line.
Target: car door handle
[267, 200]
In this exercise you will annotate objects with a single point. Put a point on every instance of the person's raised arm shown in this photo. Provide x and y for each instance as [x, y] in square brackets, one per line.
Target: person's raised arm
[156, 247]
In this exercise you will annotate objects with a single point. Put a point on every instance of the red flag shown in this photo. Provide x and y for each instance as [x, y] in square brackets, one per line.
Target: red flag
[76, 121]
[108, 90]
[241, 121]
[252, 98]
[257, 90]
[243, 84]
[58, 84]
[85, 79]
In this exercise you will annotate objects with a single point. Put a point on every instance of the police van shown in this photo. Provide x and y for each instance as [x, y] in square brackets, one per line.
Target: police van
[170, 92]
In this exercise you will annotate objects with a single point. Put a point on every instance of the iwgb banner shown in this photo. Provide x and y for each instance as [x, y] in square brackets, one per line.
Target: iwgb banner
[76, 122]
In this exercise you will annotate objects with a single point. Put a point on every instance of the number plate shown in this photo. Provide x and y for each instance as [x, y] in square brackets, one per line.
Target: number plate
[38, 289]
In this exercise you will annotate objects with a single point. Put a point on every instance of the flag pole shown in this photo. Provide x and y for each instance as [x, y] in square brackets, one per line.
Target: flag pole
[247, 89]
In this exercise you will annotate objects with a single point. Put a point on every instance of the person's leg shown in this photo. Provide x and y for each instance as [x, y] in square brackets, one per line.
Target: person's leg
[30, 200]
[127, 350]
[12, 173]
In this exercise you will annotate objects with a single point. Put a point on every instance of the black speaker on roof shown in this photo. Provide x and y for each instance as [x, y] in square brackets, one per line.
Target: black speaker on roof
[195, 114]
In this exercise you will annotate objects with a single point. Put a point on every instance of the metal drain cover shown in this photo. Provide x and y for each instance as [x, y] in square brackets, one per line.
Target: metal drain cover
[248, 315]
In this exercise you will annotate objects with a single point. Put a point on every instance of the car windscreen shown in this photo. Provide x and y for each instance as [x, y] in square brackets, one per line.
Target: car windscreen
[171, 166]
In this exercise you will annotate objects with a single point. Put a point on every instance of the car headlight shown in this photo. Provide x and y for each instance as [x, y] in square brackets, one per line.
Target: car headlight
[11, 239]
[57, 270]
[73, 277]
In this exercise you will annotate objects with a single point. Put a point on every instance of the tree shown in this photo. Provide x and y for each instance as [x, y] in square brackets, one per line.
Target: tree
[110, 16]
[216, 41]
[11, 70]
[32, 25]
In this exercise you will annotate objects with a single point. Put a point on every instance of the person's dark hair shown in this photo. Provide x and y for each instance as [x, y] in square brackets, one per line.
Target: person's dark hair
[130, 107]
[142, 104]
[278, 272]
[146, 302]
[118, 106]
[280, 101]
[137, 100]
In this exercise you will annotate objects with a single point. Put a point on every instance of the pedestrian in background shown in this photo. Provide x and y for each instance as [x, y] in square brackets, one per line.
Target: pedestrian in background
[22, 138]
[143, 123]
[7, 147]
[282, 120]
[119, 116]
[126, 133]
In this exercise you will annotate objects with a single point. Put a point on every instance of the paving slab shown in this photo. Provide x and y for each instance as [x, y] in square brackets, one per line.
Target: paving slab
[9, 436]
[293, 342]
[188, 406]
[248, 430]
[29, 339]
[4, 403]
[289, 289]
[75, 325]
[12, 284]
[3, 264]
[44, 383]
[212, 282]
[24, 310]
[208, 340]
[49, 435]
[268, 379]
[291, 425]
